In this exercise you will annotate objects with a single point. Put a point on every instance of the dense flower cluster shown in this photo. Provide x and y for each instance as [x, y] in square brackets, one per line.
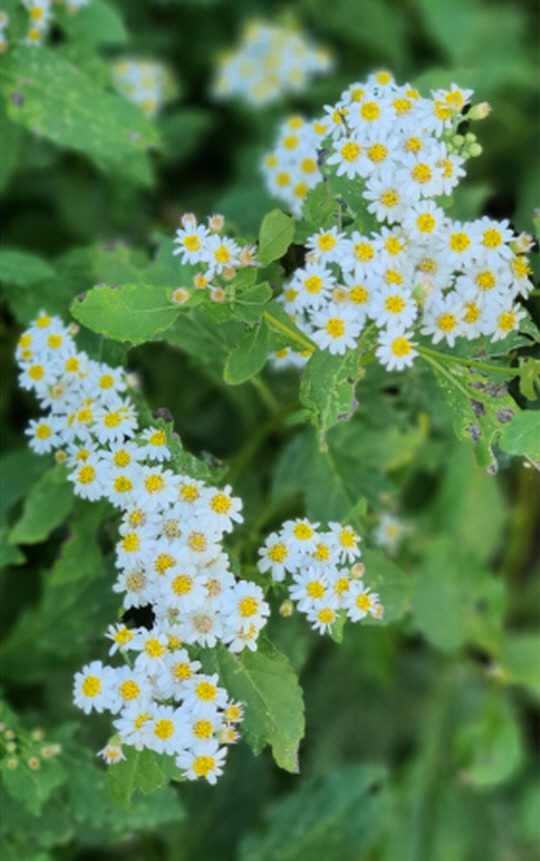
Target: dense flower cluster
[169, 556]
[40, 19]
[325, 570]
[215, 257]
[416, 269]
[146, 83]
[269, 62]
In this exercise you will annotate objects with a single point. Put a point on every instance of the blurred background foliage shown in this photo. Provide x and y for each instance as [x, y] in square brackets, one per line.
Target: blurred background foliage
[422, 736]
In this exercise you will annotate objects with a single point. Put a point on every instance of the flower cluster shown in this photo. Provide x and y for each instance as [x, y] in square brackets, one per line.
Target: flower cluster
[215, 257]
[23, 748]
[270, 61]
[325, 569]
[40, 18]
[416, 268]
[169, 556]
[146, 83]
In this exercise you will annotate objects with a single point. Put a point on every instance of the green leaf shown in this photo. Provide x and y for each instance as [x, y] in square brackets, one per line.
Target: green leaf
[320, 209]
[285, 332]
[519, 662]
[250, 303]
[327, 388]
[138, 771]
[392, 584]
[248, 357]
[32, 788]
[22, 268]
[274, 710]
[50, 96]
[522, 435]
[132, 312]
[455, 600]
[20, 469]
[489, 749]
[529, 378]
[323, 819]
[99, 23]
[80, 556]
[479, 408]
[275, 236]
[47, 505]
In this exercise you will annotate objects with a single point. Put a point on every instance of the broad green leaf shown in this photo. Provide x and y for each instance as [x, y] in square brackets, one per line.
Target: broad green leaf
[327, 388]
[11, 146]
[519, 661]
[80, 556]
[99, 23]
[320, 209]
[20, 469]
[455, 600]
[392, 584]
[250, 304]
[522, 435]
[132, 312]
[324, 819]
[29, 787]
[489, 749]
[23, 268]
[274, 710]
[139, 771]
[249, 356]
[53, 98]
[47, 505]
[275, 236]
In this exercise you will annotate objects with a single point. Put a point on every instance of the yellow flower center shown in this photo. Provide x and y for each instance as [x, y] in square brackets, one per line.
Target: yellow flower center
[335, 327]
[248, 607]
[91, 686]
[278, 553]
[129, 690]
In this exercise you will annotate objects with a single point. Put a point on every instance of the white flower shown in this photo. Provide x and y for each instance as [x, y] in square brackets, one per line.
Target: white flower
[337, 328]
[205, 759]
[93, 688]
[396, 350]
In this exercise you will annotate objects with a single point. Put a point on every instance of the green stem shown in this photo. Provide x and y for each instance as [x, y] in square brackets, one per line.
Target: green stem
[266, 394]
[277, 324]
[442, 370]
[457, 360]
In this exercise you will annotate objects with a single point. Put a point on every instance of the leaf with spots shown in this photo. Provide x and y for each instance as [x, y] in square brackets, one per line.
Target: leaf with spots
[53, 98]
[480, 408]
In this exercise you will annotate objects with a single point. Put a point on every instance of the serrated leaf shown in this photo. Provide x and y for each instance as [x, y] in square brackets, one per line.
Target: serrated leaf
[132, 312]
[22, 268]
[138, 771]
[320, 209]
[47, 505]
[267, 684]
[275, 236]
[248, 357]
[522, 435]
[327, 388]
[53, 98]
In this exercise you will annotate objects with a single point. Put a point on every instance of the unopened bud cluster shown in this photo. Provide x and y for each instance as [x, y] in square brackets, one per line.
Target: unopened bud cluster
[403, 267]
[270, 62]
[21, 748]
[325, 573]
[170, 557]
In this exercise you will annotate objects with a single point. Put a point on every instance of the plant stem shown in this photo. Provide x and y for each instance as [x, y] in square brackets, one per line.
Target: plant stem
[457, 360]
